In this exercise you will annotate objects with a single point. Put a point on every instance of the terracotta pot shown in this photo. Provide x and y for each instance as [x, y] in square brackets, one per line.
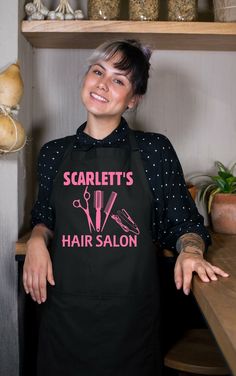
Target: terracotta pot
[223, 213]
[192, 190]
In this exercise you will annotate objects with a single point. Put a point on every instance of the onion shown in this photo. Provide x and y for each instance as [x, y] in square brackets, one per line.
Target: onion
[11, 86]
[12, 134]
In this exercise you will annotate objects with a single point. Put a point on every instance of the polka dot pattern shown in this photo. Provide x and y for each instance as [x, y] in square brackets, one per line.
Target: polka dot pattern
[175, 212]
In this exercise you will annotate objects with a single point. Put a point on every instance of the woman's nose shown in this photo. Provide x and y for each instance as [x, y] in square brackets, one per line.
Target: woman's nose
[103, 84]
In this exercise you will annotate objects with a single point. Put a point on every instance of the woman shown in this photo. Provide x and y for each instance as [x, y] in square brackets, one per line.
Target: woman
[106, 194]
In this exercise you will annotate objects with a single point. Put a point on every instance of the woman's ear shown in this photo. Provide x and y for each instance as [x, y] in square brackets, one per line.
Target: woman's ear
[134, 101]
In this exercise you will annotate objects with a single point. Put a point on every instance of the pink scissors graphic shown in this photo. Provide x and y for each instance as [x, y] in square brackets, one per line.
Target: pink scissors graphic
[77, 204]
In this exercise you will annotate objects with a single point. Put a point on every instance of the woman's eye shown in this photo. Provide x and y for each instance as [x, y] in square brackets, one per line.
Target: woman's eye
[119, 82]
[97, 72]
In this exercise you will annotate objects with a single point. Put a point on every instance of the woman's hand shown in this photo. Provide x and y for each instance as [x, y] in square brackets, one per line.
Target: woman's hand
[38, 266]
[191, 260]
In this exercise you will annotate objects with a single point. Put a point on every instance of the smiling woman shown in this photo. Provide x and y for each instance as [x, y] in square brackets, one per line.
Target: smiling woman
[106, 196]
[107, 92]
[131, 59]
[116, 80]
[105, 84]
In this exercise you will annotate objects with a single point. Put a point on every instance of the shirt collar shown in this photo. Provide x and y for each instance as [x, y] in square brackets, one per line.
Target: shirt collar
[119, 135]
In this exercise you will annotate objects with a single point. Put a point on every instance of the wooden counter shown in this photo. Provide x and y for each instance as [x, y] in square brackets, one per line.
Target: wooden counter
[217, 300]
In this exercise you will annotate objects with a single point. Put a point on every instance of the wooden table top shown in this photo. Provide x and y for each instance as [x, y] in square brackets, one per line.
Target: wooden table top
[216, 299]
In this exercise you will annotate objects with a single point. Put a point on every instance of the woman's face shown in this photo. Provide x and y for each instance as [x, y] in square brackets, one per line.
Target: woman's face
[106, 90]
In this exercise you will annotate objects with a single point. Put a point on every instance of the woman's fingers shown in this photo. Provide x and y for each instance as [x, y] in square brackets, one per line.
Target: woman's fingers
[50, 277]
[25, 282]
[187, 279]
[30, 286]
[187, 265]
[219, 271]
[42, 287]
[34, 282]
[178, 276]
[35, 271]
[208, 272]
[36, 288]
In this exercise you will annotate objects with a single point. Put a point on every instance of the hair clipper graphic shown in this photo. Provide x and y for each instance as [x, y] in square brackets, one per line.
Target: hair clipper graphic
[124, 220]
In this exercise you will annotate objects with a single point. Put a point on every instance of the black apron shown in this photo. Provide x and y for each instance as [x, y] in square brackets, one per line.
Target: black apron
[102, 316]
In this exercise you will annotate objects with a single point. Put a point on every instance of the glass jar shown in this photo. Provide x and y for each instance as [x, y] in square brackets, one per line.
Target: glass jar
[103, 9]
[224, 10]
[182, 10]
[143, 10]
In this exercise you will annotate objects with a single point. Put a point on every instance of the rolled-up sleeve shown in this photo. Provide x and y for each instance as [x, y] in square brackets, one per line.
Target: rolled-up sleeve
[42, 212]
[49, 160]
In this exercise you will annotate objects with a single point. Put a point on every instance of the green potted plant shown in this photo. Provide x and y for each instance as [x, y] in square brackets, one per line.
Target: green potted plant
[219, 193]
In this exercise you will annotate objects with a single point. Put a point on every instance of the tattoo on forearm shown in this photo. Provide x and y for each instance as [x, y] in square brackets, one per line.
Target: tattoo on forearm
[190, 240]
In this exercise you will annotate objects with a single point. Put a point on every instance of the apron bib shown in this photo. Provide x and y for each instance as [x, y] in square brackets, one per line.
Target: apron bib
[102, 316]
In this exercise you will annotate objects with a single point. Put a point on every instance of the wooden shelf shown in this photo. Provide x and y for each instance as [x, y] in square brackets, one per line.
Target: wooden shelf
[158, 34]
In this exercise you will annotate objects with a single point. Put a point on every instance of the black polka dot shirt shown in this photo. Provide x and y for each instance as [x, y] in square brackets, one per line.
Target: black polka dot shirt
[175, 212]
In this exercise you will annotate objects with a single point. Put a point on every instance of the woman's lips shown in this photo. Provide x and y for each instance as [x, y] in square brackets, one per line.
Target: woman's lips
[98, 97]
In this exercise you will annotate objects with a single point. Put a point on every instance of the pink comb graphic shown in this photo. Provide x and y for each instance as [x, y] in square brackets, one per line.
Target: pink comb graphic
[109, 206]
[98, 205]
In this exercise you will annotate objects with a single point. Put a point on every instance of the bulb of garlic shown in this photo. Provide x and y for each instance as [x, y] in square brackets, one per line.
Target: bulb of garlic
[37, 16]
[41, 7]
[79, 14]
[36, 10]
[30, 9]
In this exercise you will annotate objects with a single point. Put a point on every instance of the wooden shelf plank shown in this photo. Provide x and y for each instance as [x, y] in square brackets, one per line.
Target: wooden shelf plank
[158, 34]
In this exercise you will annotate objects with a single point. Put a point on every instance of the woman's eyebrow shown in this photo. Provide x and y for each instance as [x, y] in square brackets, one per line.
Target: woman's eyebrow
[100, 65]
[117, 73]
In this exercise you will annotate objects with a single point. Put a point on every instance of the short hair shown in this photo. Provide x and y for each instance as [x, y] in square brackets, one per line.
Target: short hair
[134, 60]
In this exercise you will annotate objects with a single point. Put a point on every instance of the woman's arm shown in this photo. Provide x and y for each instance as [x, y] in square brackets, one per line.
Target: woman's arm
[180, 227]
[175, 211]
[38, 266]
[191, 248]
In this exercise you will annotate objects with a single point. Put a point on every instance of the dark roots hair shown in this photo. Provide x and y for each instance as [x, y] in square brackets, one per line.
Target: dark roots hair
[134, 59]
